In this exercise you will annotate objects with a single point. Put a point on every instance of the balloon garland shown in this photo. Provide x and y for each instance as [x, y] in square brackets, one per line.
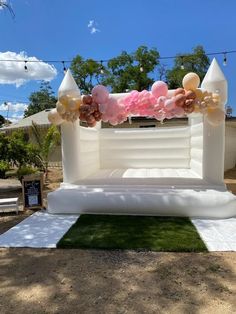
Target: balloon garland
[159, 103]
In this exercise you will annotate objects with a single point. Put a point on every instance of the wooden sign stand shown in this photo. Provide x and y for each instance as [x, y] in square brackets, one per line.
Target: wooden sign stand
[32, 186]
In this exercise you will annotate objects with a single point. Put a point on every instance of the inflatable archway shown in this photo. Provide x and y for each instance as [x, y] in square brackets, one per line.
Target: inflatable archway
[163, 171]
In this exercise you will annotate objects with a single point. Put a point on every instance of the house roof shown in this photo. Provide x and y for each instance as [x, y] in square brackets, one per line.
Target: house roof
[40, 118]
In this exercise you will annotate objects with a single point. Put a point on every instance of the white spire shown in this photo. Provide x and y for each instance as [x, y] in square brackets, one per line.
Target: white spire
[68, 85]
[215, 81]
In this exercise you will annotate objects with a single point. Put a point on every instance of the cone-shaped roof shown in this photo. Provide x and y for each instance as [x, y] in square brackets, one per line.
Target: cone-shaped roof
[214, 73]
[215, 82]
[68, 83]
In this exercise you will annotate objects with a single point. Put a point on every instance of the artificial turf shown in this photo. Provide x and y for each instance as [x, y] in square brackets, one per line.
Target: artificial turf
[169, 234]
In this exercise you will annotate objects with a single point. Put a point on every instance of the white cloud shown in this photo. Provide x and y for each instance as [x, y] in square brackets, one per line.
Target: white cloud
[13, 107]
[12, 72]
[15, 111]
[94, 30]
[91, 23]
[15, 118]
[92, 26]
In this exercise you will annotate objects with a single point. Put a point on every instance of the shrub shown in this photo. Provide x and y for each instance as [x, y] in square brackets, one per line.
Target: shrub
[4, 167]
[25, 170]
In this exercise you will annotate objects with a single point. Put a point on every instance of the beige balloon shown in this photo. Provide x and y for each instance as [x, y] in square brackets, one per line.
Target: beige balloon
[191, 81]
[199, 94]
[64, 100]
[74, 104]
[60, 108]
[54, 117]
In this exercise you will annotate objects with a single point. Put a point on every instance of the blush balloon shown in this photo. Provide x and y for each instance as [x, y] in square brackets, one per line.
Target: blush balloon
[179, 112]
[169, 104]
[100, 94]
[159, 88]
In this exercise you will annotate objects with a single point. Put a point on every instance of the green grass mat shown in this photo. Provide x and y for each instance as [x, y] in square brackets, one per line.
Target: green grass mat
[170, 234]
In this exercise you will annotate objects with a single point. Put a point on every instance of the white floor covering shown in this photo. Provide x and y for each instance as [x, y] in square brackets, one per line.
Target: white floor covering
[217, 234]
[43, 230]
[40, 230]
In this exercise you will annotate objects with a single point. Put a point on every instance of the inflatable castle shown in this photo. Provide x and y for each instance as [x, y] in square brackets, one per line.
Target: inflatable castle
[169, 171]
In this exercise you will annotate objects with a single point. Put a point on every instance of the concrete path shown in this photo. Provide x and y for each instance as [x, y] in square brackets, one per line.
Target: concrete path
[218, 234]
[40, 230]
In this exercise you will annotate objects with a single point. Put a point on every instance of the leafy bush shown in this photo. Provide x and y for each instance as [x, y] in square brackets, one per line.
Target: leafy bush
[4, 167]
[25, 170]
[46, 143]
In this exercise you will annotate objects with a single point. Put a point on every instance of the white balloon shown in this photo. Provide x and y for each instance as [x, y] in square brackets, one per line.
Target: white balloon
[54, 117]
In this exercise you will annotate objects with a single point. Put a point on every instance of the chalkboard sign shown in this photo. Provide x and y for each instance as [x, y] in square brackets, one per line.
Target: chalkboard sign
[33, 191]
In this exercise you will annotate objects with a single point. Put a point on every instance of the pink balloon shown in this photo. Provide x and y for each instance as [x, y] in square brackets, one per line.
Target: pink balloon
[178, 112]
[102, 107]
[160, 115]
[115, 111]
[161, 100]
[169, 104]
[100, 94]
[159, 88]
[170, 115]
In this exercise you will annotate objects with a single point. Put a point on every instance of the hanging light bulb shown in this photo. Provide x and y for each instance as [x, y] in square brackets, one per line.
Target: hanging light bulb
[64, 67]
[101, 67]
[229, 111]
[141, 68]
[25, 67]
[225, 60]
[182, 63]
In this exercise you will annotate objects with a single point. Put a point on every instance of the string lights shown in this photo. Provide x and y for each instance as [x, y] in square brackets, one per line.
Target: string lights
[225, 59]
[101, 67]
[224, 53]
[182, 63]
[25, 67]
[64, 67]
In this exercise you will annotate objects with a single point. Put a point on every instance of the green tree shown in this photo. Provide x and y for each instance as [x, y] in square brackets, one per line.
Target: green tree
[4, 140]
[19, 151]
[2, 120]
[16, 150]
[86, 73]
[131, 71]
[197, 62]
[46, 143]
[4, 155]
[120, 74]
[41, 100]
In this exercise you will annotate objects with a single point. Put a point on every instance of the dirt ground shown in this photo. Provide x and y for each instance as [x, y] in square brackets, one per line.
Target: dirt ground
[90, 281]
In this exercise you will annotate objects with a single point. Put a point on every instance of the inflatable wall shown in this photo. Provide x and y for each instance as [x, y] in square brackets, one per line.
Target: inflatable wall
[163, 171]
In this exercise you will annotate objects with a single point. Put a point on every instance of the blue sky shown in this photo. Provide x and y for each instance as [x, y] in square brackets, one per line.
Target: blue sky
[58, 30]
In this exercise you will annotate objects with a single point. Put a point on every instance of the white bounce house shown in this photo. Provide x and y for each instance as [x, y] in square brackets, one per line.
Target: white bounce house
[177, 171]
